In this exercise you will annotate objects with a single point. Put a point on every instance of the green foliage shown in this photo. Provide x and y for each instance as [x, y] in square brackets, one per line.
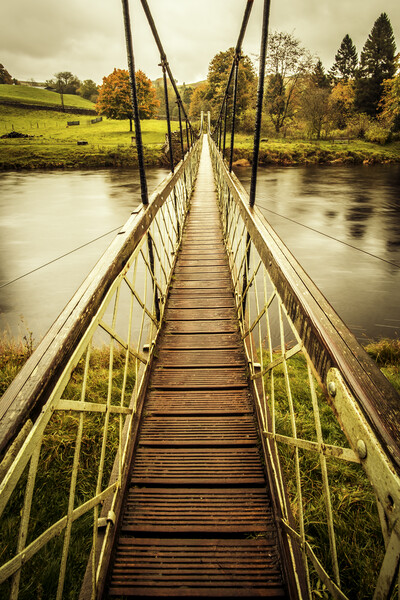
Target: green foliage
[64, 83]
[305, 152]
[315, 109]
[5, 76]
[217, 79]
[287, 64]
[377, 134]
[377, 63]
[390, 103]
[39, 577]
[318, 76]
[346, 60]
[89, 90]
[360, 546]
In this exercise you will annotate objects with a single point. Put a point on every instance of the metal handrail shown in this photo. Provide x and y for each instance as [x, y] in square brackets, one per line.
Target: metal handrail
[116, 314]
[284, 315]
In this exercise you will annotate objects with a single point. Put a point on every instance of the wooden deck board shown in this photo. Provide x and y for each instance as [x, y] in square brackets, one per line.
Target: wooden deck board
[197, 475]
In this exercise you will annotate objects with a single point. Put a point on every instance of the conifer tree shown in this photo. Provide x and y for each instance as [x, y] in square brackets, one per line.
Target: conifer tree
[318, 76]
[377, 63]
[346, 60]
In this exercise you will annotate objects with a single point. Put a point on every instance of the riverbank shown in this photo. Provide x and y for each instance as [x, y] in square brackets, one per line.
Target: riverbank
[57, 140]
[321, 152]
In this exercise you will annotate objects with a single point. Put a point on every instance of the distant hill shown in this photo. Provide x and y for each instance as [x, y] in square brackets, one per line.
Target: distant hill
[27, 95]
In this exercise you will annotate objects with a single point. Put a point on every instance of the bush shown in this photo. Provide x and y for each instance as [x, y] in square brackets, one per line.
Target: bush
[377, 134]
[357, 126]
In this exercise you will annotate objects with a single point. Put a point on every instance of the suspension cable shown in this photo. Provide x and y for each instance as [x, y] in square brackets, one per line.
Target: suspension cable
[234, 71]
[331, 237]
[50, 262]
[135, 104]
[163, 57]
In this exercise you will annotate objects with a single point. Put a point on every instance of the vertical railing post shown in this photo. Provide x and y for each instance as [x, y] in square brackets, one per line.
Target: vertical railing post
[135, 104]
[260, 96]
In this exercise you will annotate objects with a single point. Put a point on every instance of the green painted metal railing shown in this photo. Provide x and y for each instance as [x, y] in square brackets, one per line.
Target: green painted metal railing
[67, 421]
[329, 420]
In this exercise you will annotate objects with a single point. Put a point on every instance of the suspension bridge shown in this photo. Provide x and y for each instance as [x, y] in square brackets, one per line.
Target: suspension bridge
[198, 420]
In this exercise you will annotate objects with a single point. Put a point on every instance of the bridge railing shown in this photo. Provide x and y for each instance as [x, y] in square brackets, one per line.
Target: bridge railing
[67, 422]
[328, 417]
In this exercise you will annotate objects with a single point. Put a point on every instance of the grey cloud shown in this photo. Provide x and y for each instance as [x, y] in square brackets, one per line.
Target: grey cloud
[42, 37]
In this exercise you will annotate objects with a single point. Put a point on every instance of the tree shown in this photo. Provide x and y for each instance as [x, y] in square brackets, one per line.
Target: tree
[342, 103]
[315, 108]
[64, 83]
[148, 104]
[89, 90]
[346, 60]
[114, 99]
[287, 64]
[199, 102]
[5, 76]
[377, 63]
[318, 76]
[217, 79]
[390, 103]
[186, 95]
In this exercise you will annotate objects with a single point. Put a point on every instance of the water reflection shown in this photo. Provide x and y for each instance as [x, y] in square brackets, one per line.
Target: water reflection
[44, 215]
[361, 207]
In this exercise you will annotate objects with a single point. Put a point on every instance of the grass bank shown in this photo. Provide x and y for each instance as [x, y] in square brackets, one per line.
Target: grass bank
[356, 522]
[39, 577]
[53, 144]
[30, 95]
[327, 152]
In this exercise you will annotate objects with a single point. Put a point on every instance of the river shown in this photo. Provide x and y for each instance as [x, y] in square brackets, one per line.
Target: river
[44, 215]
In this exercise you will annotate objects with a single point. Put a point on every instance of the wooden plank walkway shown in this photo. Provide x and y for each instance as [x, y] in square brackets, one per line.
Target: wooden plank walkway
[197, 519]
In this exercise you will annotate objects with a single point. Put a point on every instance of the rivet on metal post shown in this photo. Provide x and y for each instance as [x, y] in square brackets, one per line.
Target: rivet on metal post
[362, 449]
[332, 389]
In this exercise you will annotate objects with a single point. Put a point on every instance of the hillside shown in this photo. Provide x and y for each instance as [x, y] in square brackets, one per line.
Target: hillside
[36, 96]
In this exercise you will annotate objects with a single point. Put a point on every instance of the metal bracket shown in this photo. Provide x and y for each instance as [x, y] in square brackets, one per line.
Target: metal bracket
[104, 521]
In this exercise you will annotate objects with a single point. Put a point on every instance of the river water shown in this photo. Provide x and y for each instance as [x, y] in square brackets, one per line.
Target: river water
[44, 215]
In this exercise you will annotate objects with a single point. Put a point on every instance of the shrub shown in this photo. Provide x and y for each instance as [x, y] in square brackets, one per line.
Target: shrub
[377, 134]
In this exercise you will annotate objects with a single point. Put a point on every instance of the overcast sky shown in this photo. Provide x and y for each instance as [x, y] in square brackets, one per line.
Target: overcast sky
[42, 37]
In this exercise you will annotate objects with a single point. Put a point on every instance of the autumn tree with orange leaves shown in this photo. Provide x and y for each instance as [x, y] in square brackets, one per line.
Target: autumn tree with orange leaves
[114, 99]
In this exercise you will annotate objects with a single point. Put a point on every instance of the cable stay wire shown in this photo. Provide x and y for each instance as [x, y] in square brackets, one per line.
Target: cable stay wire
[389, 262]
[60, 257]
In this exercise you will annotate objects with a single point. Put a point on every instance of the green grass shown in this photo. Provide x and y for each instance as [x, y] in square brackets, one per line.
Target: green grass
[289, 152]
[39, 577]
[358, 534]
[31, 95]
[356, 522]
[54, 143]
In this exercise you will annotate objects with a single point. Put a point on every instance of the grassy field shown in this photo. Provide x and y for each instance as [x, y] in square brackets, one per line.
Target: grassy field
[55, 144]
[30, 95]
